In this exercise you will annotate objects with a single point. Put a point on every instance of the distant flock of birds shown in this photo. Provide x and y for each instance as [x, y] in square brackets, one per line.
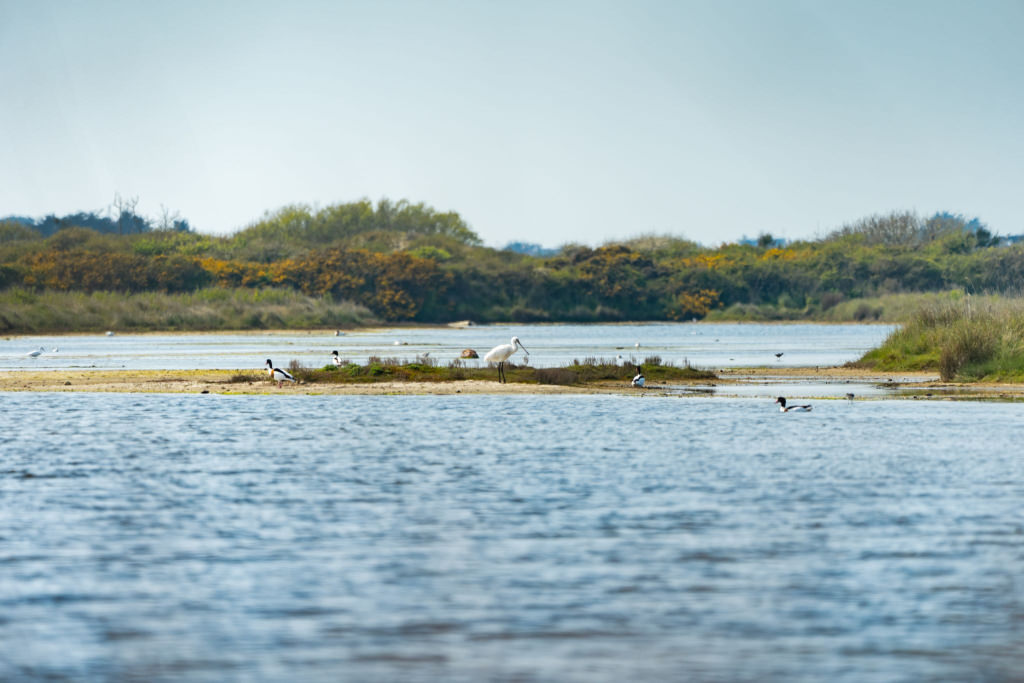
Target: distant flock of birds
[499, 354]
[502, 352]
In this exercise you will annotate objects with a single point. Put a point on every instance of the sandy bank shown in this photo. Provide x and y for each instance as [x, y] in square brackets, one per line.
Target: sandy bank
[905, 384]
[218, 382]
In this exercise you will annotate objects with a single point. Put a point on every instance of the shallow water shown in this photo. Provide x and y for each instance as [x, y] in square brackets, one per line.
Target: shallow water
[704, 345]
[468, 538]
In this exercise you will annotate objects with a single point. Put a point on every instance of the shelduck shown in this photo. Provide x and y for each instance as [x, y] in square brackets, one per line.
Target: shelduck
[791, 409]
[639, 380]
[278, 375]
[335, 358]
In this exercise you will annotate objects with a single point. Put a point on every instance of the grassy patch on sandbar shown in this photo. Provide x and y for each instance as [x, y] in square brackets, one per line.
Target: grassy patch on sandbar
[964, 339]
[426, 369]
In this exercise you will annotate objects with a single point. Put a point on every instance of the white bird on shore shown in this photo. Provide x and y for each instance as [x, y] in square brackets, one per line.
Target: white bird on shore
[278, 375]
[499, 354]
[639, 380]
[335, 358]
[36, 353]
[783, 408]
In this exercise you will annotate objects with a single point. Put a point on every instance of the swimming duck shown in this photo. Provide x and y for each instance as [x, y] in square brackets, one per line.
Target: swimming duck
[639, 380]
[795, 409]
[278, 375]
[335, 358]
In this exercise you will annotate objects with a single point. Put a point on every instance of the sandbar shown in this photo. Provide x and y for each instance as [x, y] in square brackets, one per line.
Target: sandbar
[728, 382]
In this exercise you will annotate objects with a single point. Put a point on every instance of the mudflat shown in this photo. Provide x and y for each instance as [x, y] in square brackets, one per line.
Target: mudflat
[220, 382]
[918, 384]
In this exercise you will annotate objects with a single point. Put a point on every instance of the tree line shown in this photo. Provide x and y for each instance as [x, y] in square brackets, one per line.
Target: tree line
[409, 262]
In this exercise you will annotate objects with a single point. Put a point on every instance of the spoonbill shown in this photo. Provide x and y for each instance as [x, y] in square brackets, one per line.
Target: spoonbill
[278, 375]
[501, 353]
[639, 380]
[35, 354]
[783, 408]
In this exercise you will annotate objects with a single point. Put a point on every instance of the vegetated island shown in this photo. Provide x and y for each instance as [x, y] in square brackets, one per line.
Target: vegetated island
[377, 376]
[392, 376]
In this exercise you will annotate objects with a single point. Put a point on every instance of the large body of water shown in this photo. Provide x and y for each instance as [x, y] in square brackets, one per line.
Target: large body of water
[508, 538]
[703, 345]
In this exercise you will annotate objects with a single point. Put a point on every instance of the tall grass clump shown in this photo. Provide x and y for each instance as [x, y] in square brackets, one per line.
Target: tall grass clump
[965, 339]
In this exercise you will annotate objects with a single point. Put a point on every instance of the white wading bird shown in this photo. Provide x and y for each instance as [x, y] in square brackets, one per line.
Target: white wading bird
[501, 353]
[278, 375]
[35, 354]
[791, 409]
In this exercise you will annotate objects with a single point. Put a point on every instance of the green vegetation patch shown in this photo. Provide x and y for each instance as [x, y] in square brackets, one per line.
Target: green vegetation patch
[426, 369]
[25, 311]
[405, 261]
[963, 339]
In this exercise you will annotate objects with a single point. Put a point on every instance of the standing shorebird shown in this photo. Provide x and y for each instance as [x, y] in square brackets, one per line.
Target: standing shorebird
[501, 353]
[278, 375]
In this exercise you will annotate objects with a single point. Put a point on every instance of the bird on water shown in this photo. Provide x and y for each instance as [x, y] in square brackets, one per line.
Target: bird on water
[278, 375]
[501, 353]
[791, 409]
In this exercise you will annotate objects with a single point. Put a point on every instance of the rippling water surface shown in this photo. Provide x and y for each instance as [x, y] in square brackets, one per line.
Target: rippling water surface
[473, 538]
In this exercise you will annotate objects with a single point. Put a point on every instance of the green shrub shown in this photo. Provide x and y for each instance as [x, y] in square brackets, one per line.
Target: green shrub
[961, 338]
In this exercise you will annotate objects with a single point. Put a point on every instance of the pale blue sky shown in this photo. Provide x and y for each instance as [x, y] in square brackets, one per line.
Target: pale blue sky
[547, 122]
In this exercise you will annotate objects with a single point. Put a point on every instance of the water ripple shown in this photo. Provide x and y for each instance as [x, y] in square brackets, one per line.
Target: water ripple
[500, 538]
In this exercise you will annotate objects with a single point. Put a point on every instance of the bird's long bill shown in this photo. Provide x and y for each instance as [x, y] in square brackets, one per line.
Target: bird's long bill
[523, 348]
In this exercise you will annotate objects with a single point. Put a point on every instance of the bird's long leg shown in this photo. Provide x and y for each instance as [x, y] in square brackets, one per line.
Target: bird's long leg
[501, 372]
